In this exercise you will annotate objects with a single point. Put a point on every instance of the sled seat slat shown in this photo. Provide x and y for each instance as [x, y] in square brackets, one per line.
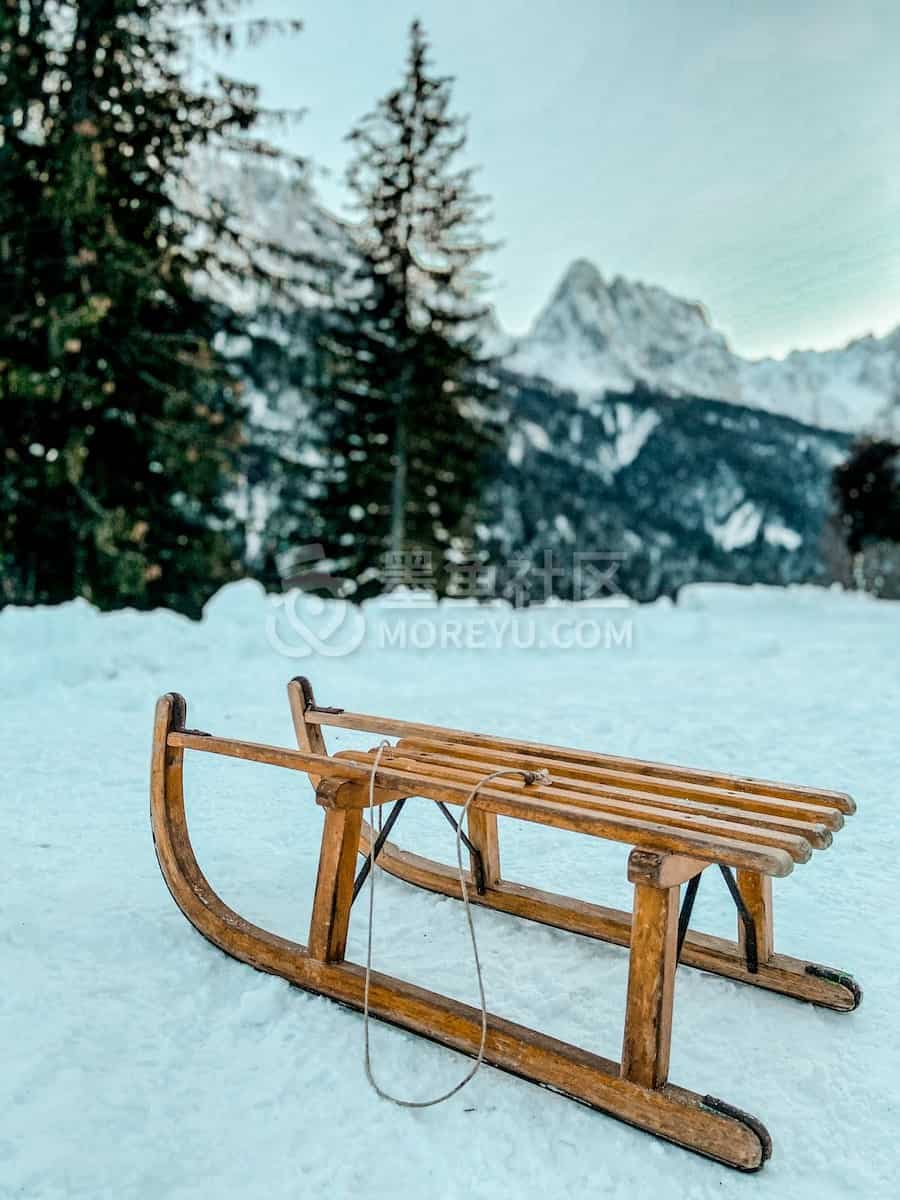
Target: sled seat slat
[712, 817]
[670, 821]
[817, 826]
[390, 726]
[631, 782]
[797, 837]
[526, 805]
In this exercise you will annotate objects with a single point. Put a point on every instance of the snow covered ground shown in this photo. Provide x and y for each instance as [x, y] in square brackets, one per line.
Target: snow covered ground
[138, 1061]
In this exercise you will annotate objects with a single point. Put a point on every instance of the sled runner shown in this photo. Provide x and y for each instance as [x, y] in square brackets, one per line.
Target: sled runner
[678, 821]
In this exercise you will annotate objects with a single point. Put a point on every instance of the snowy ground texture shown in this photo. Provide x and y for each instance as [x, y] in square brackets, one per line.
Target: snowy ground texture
[138, 1061]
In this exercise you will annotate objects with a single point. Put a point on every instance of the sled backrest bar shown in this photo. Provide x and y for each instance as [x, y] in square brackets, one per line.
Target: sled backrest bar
[393, 727]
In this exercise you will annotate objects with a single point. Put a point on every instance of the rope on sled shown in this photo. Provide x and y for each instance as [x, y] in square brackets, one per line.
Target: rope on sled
[541, 776]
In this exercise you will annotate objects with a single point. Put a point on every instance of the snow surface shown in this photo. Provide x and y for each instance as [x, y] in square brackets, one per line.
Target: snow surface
[739, 529]
[138, 1061]
[634, 429]
[777, 534]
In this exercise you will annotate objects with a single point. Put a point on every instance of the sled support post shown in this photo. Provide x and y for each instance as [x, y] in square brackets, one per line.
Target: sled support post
[309, 737]
[334, 882]
[756, 890]
[482, 830]
[651, 974]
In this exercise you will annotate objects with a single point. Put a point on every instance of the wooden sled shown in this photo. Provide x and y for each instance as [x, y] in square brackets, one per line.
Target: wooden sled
[678, 821]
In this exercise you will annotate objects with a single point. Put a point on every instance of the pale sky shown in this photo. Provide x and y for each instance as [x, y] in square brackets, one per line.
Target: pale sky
[745, 154]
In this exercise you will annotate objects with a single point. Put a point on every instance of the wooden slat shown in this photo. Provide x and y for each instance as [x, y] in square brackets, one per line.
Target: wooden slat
[560, 813]
[631, 781]
[596, 795]
[798, 847]
[366, 723]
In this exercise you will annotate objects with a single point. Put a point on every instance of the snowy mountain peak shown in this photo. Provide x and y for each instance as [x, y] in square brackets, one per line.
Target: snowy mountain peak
[596, 336]
[581, 275]
[583, 280]
[622, 305]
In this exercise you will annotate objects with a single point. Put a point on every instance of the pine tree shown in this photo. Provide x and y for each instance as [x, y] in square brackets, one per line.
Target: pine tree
[404, 417]
[121, 419]
[866, 489]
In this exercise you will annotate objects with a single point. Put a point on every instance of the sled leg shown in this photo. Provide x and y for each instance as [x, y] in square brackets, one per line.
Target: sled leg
[651, 973]
[756, 890]
[334, 884]
[482, 830]
[333, 898]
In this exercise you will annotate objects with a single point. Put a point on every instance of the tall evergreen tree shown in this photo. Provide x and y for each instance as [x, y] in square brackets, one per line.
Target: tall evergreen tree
[405, 399]
[121, 421]
[866, 489]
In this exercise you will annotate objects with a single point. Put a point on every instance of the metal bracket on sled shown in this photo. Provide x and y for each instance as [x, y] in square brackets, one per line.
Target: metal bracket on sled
[477, 864]
[687, 907]
[309, 699]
